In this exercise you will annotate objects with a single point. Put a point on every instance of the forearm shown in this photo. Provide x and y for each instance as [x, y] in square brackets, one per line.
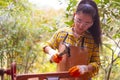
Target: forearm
[46, 49]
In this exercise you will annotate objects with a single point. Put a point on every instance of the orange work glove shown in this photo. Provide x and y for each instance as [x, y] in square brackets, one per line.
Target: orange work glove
[54, 57]
[78, 70]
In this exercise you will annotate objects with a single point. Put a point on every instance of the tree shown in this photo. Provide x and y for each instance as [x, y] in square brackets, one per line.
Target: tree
[18, 36]
[109, 13]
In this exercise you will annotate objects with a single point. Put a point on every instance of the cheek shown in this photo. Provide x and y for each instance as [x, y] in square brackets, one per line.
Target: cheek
[86, 28]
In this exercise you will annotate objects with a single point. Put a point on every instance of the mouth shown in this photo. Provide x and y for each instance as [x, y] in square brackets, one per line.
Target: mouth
[80, 31]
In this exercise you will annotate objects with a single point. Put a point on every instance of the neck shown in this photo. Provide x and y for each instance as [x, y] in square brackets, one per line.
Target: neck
[75, 33]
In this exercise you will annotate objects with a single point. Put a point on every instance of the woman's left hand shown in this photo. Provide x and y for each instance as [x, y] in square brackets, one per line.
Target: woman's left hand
[78, 70]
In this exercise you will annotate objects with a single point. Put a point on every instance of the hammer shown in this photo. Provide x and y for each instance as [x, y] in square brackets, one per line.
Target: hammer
[64, 48]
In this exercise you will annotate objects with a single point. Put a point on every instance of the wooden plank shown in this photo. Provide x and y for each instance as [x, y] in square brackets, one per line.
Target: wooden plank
[64, 74]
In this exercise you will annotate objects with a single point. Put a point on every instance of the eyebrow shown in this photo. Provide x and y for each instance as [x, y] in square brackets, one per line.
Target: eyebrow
[85, 22]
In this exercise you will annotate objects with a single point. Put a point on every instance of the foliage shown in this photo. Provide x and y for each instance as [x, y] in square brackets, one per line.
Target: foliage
[109, 13]
[24, 30]
[18, 36]
[70, 11]
[49, 24]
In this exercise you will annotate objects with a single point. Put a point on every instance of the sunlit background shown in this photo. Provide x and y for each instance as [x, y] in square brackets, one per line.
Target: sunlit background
[46, 4]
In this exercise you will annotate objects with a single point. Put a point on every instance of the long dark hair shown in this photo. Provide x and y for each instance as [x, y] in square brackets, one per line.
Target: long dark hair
[92, 10]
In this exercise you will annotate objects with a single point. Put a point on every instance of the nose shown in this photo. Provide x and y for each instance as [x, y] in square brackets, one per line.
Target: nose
[81, 25]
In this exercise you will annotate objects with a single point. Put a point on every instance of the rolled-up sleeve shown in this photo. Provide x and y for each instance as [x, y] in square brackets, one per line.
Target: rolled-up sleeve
[52, 42]
[95, 61]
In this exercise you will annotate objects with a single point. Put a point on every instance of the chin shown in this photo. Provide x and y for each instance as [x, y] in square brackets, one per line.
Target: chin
[80, 32]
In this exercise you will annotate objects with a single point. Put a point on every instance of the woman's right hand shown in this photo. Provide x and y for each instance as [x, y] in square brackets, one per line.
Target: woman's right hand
[54, 56]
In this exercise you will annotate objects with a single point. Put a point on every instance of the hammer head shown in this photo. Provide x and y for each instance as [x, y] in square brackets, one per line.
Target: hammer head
[64, 48]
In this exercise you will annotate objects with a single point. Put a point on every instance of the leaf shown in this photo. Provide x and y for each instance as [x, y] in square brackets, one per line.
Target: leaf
[106, 1]
[97, 1]
[3, 3]
[69, 23]
[111, 28]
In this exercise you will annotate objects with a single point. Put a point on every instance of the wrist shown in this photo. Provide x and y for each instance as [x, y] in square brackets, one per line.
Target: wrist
[90, 68]
[83, 69]
[52, 52]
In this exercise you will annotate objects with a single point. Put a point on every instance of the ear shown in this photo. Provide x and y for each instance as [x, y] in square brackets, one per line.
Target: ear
[74, 14]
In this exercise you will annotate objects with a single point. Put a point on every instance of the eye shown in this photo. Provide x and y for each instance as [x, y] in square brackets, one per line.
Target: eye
[88, 23]
[79, 20]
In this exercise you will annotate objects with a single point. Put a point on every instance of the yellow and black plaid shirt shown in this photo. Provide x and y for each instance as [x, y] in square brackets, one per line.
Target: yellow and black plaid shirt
[93, 50]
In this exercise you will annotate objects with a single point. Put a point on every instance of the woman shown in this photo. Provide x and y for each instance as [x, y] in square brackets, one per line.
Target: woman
[84, 40]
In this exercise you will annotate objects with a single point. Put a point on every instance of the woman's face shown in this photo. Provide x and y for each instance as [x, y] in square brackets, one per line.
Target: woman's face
[82, 22]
